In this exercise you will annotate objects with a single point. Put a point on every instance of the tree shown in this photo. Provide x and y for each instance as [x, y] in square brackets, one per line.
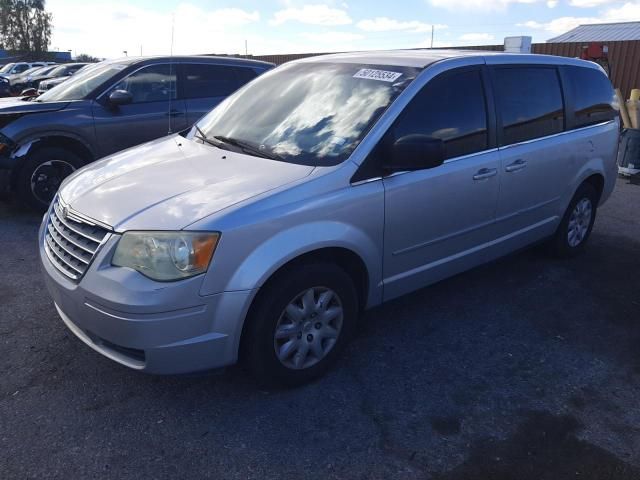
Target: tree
[83, 57]
[25, 25]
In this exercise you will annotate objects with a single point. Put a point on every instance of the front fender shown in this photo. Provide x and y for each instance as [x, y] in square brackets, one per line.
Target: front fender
[286, 245]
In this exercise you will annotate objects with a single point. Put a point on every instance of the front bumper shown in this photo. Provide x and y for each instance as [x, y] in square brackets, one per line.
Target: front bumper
[163, 328]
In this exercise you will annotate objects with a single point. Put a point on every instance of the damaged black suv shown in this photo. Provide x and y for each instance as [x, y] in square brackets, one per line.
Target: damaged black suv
[108, 107]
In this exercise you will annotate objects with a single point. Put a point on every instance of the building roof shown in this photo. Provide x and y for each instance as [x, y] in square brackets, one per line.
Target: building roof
[601, 32]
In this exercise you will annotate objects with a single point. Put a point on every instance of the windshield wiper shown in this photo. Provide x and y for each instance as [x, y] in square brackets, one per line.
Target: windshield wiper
[248, 147]
[201, 136]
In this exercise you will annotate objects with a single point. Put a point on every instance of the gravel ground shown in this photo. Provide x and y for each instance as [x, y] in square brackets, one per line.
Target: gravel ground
[527, 368]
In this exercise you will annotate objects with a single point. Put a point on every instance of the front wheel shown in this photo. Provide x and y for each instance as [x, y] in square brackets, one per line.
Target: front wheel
[42, 173]
[577, 223]
[301, 321]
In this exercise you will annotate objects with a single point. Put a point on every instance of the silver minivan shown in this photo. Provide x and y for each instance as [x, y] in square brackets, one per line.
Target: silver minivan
[323, 188]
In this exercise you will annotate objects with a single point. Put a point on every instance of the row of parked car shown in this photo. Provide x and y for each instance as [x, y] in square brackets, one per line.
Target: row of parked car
[104, 108]
[14, 79]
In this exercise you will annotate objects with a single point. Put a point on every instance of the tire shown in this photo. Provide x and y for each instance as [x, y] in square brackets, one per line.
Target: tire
[43, 171]
[576, 225]
[304, 338]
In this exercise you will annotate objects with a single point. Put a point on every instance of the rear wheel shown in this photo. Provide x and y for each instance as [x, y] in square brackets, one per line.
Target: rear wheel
[300, 322]
[42, 173]
[577, 223]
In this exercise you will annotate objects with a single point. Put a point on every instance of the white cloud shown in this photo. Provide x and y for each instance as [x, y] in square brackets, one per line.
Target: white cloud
[385, 24]
[628, 12]
[560, 25]
[486, 5]
[476, 37]
[552, 3]
[313, 15]
[589, 3]
[235, 16]
[333, 37]
[108, 29]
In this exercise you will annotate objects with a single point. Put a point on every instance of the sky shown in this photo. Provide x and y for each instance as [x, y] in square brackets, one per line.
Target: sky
[107, 29]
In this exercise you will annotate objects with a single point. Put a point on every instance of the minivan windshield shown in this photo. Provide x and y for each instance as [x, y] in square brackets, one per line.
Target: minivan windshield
[82, 83]
[306, 113]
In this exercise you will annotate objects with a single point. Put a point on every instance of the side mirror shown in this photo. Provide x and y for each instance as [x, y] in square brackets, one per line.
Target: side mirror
[415, 152]
[120, 97]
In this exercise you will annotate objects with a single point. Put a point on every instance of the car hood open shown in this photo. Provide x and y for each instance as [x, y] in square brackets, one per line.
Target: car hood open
[170, 183]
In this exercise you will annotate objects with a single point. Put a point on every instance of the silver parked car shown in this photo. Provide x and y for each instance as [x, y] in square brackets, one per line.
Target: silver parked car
[325, 187]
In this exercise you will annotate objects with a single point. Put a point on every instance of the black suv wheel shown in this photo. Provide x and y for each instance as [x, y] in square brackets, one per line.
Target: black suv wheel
[42, 173]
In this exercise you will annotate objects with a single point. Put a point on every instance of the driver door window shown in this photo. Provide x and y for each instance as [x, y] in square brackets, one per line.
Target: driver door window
[450, 108]
[156, 83]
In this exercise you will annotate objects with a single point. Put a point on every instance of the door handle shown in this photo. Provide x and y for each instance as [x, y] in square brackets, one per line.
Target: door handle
[485, 173]
[515, 166]
[174, 113]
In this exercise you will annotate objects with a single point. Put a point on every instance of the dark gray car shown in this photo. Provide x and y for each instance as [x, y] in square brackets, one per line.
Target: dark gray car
[107, 108]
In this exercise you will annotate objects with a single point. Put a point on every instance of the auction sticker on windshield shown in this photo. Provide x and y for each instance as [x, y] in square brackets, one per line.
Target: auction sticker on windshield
[382, 75]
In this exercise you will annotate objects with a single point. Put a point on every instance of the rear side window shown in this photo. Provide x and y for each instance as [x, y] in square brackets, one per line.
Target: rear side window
[529, 102]
[244, 75]
[203, 81]
[450, 107]
[593, 96]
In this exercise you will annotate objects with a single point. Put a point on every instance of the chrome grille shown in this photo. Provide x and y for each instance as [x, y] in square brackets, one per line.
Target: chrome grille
[71, 242]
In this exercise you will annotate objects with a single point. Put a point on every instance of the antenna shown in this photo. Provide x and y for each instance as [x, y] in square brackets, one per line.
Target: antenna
[171, 89]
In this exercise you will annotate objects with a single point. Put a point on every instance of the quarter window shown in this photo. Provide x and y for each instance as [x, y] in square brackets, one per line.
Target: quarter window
[529, 101]
[451, 108]
[593, 96]
[155, 83]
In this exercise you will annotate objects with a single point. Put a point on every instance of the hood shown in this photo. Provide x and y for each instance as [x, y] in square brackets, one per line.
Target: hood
[17, 106]
[170, 183]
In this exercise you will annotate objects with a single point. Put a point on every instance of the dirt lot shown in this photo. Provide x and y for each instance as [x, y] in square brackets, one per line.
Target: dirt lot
[528, 368]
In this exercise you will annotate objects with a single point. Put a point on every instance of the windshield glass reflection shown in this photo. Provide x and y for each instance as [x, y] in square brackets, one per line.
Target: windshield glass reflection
[308, 113]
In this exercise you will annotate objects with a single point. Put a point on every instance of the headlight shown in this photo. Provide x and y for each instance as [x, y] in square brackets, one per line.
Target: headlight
[166, 256]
